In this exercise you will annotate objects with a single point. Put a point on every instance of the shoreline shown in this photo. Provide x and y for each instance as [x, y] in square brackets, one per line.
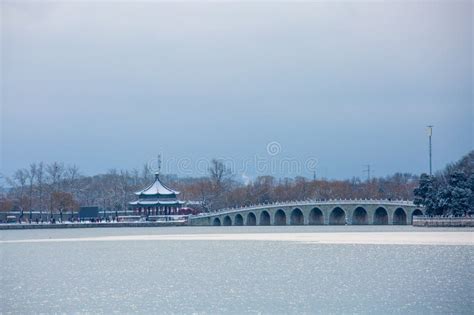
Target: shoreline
[88, 225]
[32, 226]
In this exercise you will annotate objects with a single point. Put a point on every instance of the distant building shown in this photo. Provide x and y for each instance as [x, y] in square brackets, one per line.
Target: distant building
[157, 200]
[88, 213]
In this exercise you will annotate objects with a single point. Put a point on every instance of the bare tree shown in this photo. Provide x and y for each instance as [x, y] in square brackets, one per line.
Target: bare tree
[31, 183]
[220, 175]
[19, 181]
[147, 175]
[55, 172]
[220, 179]
[72, 174]
[41, 188]
[2, 188]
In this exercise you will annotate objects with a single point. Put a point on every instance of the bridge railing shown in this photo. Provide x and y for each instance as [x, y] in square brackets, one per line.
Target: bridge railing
[295, 203]
[442, 221]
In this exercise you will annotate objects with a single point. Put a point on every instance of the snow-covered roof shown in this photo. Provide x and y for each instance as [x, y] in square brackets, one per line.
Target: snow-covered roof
[155, 202]
[157, 188]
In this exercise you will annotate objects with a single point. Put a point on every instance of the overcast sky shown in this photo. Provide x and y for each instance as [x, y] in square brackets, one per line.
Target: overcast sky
[111, 85]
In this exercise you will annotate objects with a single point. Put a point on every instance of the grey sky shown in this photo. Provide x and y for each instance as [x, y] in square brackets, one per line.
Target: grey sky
[110, 85]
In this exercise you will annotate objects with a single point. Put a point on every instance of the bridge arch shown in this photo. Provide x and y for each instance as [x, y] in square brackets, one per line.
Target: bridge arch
[280, 217]
[380, 216]
[399, 217]
[264, 218]
[227, 221]
[335, 212]
[238, 220]
[251, 219]
[337, 216]
[316, 217]
[296, 217]
[416, 212]
[360, 217]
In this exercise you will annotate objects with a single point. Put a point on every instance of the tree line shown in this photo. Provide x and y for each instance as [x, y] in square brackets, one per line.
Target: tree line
[450, 191]
[220, 190]
[57, 187]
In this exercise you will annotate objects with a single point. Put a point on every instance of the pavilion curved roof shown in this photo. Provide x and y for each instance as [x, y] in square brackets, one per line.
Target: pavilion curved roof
[157, 188]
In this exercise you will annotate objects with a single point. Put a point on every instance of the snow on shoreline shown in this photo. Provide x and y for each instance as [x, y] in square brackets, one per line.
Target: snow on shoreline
[379, 238]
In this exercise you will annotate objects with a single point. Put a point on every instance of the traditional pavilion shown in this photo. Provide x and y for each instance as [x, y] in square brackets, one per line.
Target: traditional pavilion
[157, 199]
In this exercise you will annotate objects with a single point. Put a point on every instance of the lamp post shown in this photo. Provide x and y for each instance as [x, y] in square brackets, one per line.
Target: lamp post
[430, 134]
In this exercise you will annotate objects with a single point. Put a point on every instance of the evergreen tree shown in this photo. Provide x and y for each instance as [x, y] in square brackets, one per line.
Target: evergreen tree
[450, 192]
[455, 198]
[426, 194]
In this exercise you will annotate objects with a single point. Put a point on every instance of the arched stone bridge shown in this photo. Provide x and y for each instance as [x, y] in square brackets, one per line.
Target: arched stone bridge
[332, 212]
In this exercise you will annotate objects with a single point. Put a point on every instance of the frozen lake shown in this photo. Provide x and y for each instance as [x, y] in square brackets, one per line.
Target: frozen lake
[293, 269]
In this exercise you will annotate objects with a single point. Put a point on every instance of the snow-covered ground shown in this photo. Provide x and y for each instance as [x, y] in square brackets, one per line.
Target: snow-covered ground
[382, 238]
